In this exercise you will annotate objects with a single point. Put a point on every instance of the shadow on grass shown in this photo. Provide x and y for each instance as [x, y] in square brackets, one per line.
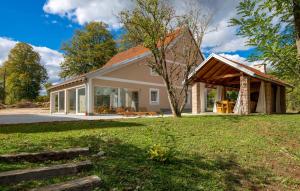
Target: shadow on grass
[64, 126]
[127, 167]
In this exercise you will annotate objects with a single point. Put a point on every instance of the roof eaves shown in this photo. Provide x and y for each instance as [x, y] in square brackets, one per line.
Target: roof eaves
[79, 79]
[242, 69]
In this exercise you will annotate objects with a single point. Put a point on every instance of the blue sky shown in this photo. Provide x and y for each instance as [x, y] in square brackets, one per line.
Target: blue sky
[46, 24]
[26, 21]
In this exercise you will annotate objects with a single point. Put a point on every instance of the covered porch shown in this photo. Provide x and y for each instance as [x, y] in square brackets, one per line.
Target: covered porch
[256, 91]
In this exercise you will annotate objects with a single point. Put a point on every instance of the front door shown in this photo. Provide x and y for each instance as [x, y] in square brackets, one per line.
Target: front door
[135, 99]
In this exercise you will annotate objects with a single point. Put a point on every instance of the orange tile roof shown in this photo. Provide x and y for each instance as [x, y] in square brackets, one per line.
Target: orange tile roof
[138, 50]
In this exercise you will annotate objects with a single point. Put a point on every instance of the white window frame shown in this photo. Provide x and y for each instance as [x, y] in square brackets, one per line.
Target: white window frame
[152, 72]
[77, 104]
[154, 102]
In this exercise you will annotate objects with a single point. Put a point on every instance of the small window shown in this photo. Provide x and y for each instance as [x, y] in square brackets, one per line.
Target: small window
[153, 72]
[154, 96]
[188, 98]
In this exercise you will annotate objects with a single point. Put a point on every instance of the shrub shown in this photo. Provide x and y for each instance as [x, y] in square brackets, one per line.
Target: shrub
[160, 153]
[42, 99]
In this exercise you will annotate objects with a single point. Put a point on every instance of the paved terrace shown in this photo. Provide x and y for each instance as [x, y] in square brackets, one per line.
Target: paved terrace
[36, 115]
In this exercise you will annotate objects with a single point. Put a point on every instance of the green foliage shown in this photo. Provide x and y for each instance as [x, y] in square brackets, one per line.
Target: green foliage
[213, 152]
[125, 43]
[46, 86]
[160, 153]
[232, 95]
[43, 98]
[25, 74]
[268, 25]
[89, 49]
[2, 76]
[293, 99]
[267, 29]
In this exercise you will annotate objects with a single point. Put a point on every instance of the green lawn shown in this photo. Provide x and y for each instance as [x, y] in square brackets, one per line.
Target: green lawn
[211, 152]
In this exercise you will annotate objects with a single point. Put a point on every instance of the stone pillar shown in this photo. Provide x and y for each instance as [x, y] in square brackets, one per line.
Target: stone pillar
[196, 106]
[269, 97]
[198, 98]
[283, 99]
[245, 94]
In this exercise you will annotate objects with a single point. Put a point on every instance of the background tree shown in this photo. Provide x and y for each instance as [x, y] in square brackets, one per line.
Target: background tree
[89, 49]
[25, 73]
[150, 24]
[46, 86]
[269, 26]
[124, 43]
[2, 84]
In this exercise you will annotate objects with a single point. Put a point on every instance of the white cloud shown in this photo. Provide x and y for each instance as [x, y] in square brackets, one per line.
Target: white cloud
[222, 38]
[5, 45]
[49, 58]
[240, 59]
[84, 11]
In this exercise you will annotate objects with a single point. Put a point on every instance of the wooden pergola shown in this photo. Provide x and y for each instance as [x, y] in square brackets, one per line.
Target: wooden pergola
[219, 71]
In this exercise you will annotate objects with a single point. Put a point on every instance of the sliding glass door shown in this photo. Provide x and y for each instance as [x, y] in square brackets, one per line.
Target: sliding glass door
[81, 101]
[61, 102]
[72, 101]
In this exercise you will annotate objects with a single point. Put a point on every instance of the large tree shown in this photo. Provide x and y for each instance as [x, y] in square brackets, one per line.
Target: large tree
[271, 27]
[24, 72]
[271, 30]
[151, 23]
[89, 49]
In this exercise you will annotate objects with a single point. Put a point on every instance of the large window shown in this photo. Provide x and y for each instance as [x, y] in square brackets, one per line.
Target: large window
[188, 98]
[81, 100]
[72, 101]
[108, 99]
[61, 101]
[55, 102]
[105, 97]
[154, 96]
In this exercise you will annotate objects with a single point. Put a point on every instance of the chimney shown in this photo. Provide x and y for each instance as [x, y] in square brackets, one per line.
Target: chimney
[261, 67]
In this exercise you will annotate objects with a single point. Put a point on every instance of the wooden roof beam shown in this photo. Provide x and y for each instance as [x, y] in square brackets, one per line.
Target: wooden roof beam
[227, 76]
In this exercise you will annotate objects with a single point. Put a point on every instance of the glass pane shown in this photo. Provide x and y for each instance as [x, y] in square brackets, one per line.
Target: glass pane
[81, 101]
[56, 102]
[72, 101]
[105, 98]
[61, 101]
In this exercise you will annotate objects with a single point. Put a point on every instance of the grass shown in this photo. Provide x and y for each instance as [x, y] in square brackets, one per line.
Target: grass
[211, 152]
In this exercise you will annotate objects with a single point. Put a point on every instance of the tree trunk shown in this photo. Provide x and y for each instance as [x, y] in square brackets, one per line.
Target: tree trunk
[174, 107]
[296, 12]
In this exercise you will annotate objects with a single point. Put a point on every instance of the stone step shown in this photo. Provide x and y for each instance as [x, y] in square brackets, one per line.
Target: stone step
[15, 176]
[47, 155]
[87, 183]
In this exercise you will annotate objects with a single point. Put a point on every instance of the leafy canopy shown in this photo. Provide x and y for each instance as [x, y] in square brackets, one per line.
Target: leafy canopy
[89, 49]
[268, 25]
[25, 73]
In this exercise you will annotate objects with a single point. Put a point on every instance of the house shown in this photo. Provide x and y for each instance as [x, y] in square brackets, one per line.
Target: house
[258, 92]
[125, 81]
